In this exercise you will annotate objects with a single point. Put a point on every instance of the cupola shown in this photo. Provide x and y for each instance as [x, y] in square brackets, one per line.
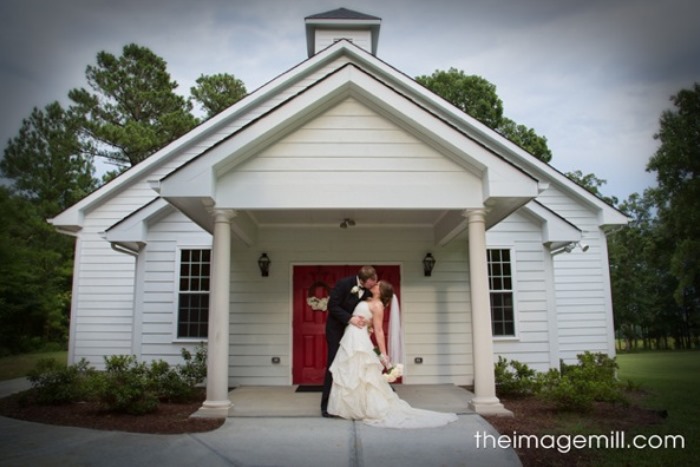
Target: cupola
[324, 29]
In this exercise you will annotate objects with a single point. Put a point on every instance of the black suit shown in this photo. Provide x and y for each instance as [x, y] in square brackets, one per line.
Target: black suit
[341, 304]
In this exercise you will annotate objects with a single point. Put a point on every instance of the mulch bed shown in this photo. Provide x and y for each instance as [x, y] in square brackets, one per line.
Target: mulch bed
[535, 417]
[532, 417]
[168, 419]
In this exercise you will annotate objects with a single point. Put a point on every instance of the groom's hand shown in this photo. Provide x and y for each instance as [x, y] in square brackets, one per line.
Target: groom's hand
[358, 321]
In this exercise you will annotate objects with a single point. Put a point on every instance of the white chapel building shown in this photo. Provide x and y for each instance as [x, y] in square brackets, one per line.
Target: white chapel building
[338, 162]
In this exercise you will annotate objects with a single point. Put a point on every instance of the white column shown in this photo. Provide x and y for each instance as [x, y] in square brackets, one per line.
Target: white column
[485, 400]
[217, 403]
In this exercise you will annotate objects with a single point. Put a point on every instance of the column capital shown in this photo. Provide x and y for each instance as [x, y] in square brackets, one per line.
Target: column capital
[223, 215]
[475, 215]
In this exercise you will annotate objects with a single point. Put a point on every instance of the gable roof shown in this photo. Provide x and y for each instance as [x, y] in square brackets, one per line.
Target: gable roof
[72, 218]
[342, 13]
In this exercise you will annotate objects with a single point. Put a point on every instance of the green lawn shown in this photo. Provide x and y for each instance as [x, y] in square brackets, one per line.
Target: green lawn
[17, 366]
[673, 380]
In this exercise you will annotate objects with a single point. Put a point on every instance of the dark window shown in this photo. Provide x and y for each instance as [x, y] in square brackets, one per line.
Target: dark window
[501, 292]
[193, 299]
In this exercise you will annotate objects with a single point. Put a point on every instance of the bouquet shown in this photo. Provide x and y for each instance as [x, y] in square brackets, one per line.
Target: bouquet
[394, 373]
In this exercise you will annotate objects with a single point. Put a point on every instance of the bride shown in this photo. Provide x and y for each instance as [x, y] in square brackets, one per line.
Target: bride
[360, 391]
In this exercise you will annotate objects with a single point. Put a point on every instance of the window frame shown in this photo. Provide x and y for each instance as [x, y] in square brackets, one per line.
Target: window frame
[177, 278]
[503, 291]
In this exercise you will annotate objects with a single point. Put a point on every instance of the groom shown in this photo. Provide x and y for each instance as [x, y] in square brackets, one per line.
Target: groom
[346, 294]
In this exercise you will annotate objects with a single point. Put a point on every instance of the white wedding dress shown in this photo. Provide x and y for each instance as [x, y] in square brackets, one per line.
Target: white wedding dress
[360, 392]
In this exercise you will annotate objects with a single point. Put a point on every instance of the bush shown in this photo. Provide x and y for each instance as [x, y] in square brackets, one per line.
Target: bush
[194, 370]
[54, 383]
[578, 386]
[514, 378]
[125, 386]
[574, 388]
[179, 384]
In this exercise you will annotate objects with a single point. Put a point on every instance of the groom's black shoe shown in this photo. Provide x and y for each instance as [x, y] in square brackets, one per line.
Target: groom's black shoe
[325, 414]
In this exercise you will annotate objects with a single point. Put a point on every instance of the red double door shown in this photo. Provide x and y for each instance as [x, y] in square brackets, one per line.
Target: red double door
[311, 288]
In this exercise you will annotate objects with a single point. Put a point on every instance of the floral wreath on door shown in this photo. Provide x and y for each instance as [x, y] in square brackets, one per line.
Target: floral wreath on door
[318, 303]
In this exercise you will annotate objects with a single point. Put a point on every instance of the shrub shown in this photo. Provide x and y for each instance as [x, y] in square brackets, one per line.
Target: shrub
[576, 387]
[125, 386]
[54, 383]
[514, 378]
[566, 394]
[194, 370]
[179, 384]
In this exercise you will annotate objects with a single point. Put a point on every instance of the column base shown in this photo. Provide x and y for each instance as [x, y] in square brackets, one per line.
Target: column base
[213, 409]
[489, 406]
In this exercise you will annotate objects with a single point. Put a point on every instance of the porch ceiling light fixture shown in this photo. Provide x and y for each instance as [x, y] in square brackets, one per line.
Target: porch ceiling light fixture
[264, 265]
[428, 265]
[347, 222]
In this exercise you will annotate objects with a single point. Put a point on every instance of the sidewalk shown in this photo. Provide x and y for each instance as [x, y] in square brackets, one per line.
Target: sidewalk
[254, 441]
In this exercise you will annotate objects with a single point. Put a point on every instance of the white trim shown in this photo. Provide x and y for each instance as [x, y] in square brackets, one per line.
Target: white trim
[552, 314]
[137, 316]
[75, 300]
[176, 291]
[605, 267]
[513, 290]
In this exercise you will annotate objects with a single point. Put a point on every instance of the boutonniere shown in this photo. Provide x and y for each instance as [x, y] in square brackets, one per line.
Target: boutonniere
[357, 290]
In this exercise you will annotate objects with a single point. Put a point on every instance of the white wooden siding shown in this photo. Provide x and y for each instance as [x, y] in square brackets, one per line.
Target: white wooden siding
[349, 139]
[581, 282]
[327, 37]
[530, 344]
[103, 291]
[439, 330]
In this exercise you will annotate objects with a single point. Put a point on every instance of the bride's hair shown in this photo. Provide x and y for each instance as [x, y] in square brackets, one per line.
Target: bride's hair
[386, 291]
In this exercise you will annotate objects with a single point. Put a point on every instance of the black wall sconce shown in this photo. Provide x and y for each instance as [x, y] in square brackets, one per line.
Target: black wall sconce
[428, 265]
[264, 265]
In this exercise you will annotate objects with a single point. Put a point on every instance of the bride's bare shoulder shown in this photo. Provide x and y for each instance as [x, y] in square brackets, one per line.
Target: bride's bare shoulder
[376, 305]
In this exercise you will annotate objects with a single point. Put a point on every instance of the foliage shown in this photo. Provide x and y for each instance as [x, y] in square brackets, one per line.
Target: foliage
[655, 260]
[592, 184]
[216, 93]
[194, 370]
[574, 388]
[471, 94]
[477, 97]
[126, 385]
[55, 383]
[514, 378]
[35, 266]
[677, 167]
[178, 384]
[47, 174]
[133, 110]
[45, 163]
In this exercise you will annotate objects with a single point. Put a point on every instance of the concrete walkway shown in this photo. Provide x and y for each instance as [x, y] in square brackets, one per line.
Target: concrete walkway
[249, 439]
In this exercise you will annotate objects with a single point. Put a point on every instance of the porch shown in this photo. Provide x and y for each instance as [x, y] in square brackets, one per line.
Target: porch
[287, 401]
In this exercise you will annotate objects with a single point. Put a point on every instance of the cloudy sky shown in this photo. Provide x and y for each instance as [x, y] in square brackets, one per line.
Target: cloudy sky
[592, 76]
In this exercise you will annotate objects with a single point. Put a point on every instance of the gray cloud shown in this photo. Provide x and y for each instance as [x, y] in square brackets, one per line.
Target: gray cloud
[593, 77]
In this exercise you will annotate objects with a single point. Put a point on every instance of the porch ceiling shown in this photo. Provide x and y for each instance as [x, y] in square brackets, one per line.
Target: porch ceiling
[445, 222]
[333, 217]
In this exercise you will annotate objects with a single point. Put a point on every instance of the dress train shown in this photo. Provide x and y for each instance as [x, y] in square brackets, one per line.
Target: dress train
[360, 392]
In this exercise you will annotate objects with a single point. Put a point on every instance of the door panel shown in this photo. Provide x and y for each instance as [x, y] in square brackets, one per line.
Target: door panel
[309, 339]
